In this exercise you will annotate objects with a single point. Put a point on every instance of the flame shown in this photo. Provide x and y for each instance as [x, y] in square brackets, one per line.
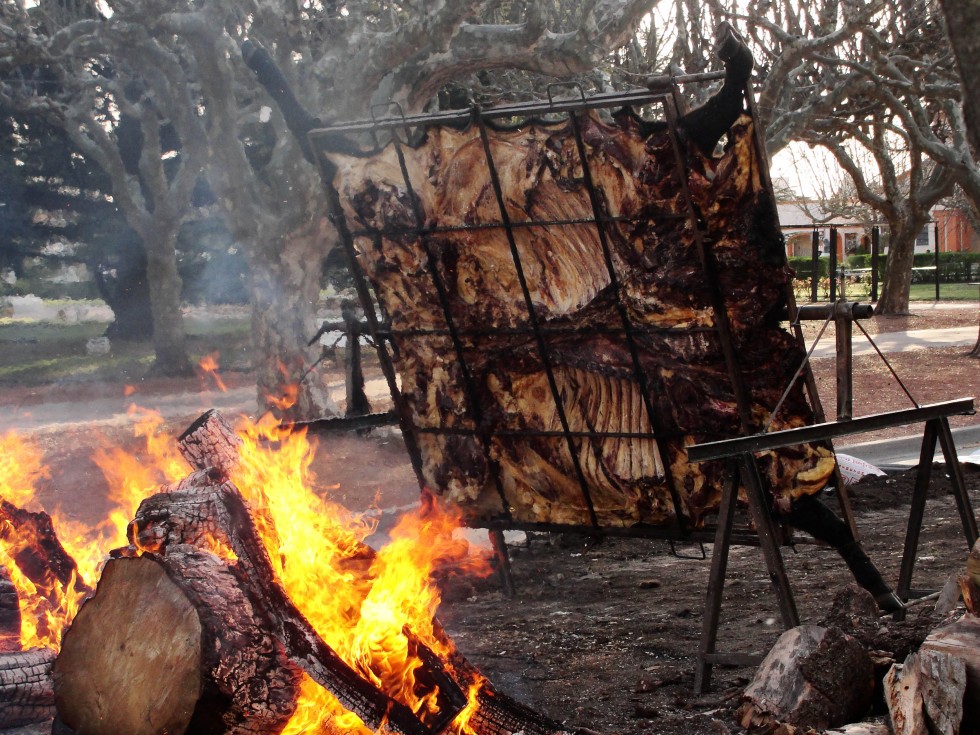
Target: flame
[372, 608]
[359, 602]
[21, 469]
[209, 366]
[45, 610]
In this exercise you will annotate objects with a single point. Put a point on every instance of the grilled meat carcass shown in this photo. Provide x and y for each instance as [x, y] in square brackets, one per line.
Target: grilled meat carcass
[599, 360]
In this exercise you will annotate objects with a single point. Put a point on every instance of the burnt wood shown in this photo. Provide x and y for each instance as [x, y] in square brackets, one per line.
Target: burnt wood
[9, 614]
[26, 690]
[172, 644]
[193, 516]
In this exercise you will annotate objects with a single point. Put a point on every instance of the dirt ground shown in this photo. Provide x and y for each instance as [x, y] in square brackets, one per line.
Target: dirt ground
[604, 635]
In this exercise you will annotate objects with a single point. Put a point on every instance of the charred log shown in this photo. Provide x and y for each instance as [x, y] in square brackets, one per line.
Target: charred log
[172, 644]
[26, 689]
[34, 547]
[218, 514]
[9, 614]
[210, 442]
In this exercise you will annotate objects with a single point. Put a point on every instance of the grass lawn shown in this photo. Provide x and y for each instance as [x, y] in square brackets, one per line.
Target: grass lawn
[947, 291]
[35, 353]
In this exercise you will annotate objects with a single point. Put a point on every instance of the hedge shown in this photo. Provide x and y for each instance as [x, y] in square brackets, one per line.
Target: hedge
[953, 267]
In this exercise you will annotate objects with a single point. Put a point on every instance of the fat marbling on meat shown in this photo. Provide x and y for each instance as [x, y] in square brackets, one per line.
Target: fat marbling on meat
[490, 433]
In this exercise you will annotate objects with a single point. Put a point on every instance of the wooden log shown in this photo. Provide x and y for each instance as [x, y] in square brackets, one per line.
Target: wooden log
[210, 442]
[34, 546]
[9, 614]
[961, 639]
[26, 690]
[925, 694]
[219, 513]
[172, 644]
[813, 677]
[210, 446]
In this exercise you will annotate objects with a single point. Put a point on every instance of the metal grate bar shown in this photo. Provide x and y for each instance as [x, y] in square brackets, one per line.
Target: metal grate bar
[533, 319]
[448, 229]
[469, 385]
[639, 374]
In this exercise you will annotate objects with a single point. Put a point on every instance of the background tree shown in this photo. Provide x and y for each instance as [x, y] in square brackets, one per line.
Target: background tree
[340, 59]
[126, 104]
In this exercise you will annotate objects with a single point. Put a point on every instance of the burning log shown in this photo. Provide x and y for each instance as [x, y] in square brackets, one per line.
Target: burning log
[33, 545]
[210, 442]
[172, 644]
[26, 691]
[9, 614]
[217, 514]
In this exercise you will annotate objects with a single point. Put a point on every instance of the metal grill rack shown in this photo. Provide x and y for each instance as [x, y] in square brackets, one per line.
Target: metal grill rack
[398, 130]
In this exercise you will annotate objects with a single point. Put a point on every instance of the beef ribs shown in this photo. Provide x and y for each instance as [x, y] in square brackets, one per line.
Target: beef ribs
[633, 351]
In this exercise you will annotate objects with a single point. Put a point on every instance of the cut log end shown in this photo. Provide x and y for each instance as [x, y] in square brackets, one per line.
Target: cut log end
[171, 645]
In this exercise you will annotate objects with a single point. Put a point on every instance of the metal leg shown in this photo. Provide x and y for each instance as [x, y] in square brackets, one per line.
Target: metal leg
[503, 561]
[917, 511]
[716, 584]
[963, 505]
[761, 516]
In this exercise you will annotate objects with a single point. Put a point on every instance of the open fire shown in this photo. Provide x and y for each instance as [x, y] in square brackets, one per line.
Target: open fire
[375, 610]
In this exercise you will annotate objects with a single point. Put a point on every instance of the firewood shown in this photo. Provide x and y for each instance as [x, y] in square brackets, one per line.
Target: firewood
[210, 442]
[35, 548]
[172, 644]
[26, 692]
[813, 677]
[9, 614]
[925, 694]
[961, 639]
[219, 512]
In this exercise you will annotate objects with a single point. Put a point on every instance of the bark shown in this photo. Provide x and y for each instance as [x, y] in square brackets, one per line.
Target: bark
[894, 298]
[285, 289]
[9, 614]
[172, 644]
[814, 677]
[169, 342]
[962, 20]
[26, 689]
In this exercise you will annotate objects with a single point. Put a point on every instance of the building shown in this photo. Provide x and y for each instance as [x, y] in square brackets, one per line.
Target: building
[797, 221]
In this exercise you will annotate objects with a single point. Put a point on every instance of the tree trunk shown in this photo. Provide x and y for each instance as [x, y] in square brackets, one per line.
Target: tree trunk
[962, 21]
[172, 644]
[285, 289]
[898, 266]
[127, 294]
[169, 341]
